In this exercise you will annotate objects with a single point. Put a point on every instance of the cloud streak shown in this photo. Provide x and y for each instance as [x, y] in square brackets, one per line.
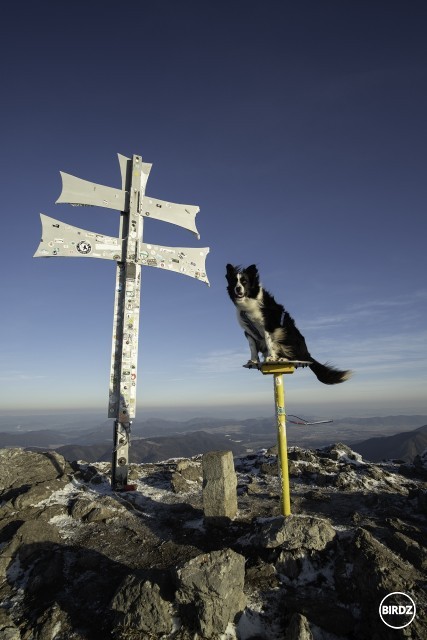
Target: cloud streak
[18, 376]
[380, 355]
[373, 310]
[220, 361]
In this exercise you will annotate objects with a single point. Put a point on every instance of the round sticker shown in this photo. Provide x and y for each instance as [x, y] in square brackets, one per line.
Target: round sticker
[84, 247]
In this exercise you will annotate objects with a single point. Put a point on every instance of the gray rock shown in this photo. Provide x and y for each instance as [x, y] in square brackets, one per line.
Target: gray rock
[39, 492]
[420, 463]
[409, 550]
[269, 468]
[99, 514]
[140, 606]
[80, 507]
[341, 452]
[422, 500]
[190, 470]
[19, 468]
[321, 608]
[298, 628]
[8, 629]
[287, 565]
[262, 576]
[53, 510]
[179, 484]
[377, 572]
[84, 508]
[219, 486]
[23, 540]
[376, 567]
[294, 532]
[185, 476]
[297, 564]
[212, 584]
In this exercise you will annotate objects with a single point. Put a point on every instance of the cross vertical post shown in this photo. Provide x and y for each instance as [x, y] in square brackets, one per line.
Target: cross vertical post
[124, 356]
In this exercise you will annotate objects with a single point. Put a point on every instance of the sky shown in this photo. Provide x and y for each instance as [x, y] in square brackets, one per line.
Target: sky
[298, 128]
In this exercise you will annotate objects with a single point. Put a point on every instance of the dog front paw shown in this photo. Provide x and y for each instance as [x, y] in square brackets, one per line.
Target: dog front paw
[275, 359]
[251, 364]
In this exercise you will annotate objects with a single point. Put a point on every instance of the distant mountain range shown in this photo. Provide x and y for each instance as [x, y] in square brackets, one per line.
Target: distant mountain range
[157, 449]
[156, 439]
[403, 446]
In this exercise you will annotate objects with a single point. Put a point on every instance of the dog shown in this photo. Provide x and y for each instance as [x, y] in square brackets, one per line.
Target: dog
[269, 328]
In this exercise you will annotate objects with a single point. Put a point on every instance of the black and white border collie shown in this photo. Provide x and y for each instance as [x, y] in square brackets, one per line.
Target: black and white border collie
[269, 328]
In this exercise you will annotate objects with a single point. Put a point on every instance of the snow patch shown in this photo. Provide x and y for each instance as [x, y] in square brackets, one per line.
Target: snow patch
[61, 496]
[67, 526]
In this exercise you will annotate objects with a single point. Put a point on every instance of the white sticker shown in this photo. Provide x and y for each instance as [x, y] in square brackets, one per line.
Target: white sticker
[106, 247]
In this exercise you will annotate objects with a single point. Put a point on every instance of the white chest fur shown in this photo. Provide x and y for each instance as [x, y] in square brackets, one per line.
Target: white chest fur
[252, 317]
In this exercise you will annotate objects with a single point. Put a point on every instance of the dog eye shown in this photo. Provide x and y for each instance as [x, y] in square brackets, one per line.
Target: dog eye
[242, 281]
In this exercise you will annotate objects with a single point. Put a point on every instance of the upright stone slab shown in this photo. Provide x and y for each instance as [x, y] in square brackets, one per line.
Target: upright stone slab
[219, 487]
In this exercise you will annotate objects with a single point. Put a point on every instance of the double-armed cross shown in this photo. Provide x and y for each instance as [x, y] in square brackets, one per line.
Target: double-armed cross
[130, 252]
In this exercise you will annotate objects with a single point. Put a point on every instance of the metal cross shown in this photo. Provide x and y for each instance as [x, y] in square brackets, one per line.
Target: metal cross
[130, 252]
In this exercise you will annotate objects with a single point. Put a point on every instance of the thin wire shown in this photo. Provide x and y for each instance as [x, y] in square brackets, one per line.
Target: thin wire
[301, 421]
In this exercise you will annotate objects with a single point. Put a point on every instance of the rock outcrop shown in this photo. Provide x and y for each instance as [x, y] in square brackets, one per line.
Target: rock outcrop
[81, 562]
[211, 588]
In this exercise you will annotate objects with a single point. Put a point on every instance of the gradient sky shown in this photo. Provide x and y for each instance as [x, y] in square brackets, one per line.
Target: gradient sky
[299, 128]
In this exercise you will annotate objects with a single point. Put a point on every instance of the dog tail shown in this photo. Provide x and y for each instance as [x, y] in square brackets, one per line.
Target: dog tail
[327, 374]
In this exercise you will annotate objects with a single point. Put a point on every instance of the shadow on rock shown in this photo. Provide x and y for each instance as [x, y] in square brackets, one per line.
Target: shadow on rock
[66, 589]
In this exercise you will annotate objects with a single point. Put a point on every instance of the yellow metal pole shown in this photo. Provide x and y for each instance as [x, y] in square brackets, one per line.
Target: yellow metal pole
[279, 397]
[278, 369]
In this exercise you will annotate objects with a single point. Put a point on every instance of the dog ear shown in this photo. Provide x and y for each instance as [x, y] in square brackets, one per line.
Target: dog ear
[252, 270]
[230, 270]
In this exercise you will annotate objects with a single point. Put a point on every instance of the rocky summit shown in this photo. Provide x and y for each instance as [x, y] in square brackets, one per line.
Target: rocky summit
[81, 562]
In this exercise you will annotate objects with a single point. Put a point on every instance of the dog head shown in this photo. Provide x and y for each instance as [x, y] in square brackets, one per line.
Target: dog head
[242, 283]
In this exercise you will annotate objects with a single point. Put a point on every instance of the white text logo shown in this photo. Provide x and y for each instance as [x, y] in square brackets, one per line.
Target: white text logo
[397, 610]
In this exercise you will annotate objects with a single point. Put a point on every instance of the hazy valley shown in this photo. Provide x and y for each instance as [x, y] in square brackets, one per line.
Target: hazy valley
[155, 439]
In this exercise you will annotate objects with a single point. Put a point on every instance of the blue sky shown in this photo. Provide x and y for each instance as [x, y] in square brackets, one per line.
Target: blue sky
[300, 131]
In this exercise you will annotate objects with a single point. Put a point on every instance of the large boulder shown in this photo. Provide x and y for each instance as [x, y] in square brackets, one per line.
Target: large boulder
[26, 538]
[377, 572]
[298, 628]
[210, 590]
[139, 606]
[19, 467]
[294, 532]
